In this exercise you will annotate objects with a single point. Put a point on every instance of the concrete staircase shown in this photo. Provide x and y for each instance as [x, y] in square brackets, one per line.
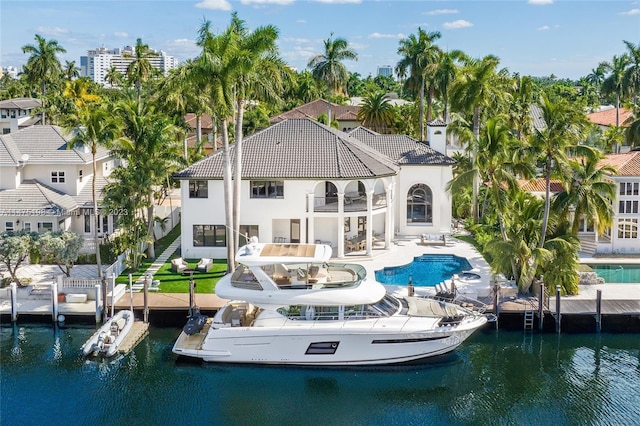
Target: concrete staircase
[587, 246]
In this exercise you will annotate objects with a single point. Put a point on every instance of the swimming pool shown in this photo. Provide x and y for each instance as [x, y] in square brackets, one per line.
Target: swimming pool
[425, 270]
[612, 273]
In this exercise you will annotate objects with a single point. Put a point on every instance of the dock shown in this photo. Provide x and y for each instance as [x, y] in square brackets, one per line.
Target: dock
[138, 331]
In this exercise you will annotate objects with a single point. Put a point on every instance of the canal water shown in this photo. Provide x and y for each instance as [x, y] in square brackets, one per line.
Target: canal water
[496, 377]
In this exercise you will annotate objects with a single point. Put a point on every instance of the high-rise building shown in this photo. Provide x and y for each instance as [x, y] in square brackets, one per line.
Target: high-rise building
[98, 61]
[385, 71]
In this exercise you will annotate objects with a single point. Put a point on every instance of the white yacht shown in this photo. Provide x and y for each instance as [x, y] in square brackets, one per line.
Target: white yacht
[288, 305]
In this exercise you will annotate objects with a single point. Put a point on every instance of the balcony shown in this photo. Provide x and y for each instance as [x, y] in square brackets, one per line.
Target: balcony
[352, 203]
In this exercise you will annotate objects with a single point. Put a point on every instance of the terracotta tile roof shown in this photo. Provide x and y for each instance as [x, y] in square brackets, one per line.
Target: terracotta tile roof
[627, 164]
[401, 148]
[205, 121]
[299, 149]
[608, 117]
[318, 107]
[539, 185]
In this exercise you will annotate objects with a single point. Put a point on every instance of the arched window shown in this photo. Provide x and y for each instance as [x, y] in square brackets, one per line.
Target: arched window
[419, 204]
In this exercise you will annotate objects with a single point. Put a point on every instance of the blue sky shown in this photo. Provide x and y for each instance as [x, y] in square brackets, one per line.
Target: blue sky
[532, 37]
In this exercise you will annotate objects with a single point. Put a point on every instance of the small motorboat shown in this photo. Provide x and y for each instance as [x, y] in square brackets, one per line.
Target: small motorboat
[108, 338]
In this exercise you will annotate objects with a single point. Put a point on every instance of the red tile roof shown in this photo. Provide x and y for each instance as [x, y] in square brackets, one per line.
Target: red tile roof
[627, 164]
[318, 107]
[608, 117]
[539, 185]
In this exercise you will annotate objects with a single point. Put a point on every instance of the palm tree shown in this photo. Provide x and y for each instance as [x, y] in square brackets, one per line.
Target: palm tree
[479, 87]
[183, 92]
[596, 77]
[632, 74]
[214, 68]
[94, 128]
[114, 77]
[564, 127]
[420, 58]
[614, 84]
[260, 74]
[328, 68]
[70, 70]
[43, 64]
[308, 88]
[140, 68]
[588, 191]
[519, 113]
[376, 112]
[445, 75]
[78, 91]
[153, 151]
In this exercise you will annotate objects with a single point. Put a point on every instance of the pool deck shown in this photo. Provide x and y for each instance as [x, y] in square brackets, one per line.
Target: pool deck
[401, 252]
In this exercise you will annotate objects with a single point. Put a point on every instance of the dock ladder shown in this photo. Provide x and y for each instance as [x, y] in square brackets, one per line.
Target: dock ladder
[529, 316]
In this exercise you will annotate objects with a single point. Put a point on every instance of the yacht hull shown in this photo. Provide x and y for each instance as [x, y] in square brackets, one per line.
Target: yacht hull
[329, 343]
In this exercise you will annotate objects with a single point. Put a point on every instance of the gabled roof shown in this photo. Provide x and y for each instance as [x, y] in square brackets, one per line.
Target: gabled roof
[43, 145]
[627, 164]
[318, 107]
[33, 198]
[608, 117]
[298, 149]
[20, 103]
[401, 149]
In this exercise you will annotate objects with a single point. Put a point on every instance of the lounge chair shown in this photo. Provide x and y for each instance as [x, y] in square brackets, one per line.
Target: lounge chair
[204, 265]
[178, 265]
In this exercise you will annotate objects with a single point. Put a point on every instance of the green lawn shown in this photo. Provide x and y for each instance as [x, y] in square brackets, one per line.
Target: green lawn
[172, 282]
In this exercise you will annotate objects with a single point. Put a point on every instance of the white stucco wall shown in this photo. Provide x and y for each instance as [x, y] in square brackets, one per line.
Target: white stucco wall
[436, 178]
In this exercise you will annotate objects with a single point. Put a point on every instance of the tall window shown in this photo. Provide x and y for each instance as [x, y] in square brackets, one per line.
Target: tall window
[8, 226]
[628, 206]
[419, 204]
[209, 236]
[248, 230]
[629, 188]
[57, 177]
[198, 189]
[267, 189]
[87, 223]
[628, 228]
[80, 175]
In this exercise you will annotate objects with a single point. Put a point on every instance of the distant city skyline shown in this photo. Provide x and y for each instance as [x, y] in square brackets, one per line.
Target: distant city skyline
[536, 37]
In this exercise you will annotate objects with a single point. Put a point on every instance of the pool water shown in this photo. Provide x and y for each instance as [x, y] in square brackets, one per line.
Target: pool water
[618, 273]
[425, 270]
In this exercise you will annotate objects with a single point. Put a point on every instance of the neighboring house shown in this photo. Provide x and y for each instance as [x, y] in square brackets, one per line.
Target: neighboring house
[606, 118]
[206, 129]
[44, 186]
[15, 114]
[346, 115]
[624, 236]
[305, 182]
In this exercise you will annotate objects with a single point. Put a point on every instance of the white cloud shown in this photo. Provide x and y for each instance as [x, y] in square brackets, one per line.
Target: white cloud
[52, 31]
[121, 34]
[297, 40]
[214, 4]
[182, 48]
[544, 28]
[460, 23]
[301, 21]
[380, 35]
[631, 12]
[442, 12]
[540, 2]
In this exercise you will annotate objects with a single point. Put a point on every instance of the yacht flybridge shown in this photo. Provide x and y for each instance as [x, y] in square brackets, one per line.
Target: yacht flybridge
[289, 305]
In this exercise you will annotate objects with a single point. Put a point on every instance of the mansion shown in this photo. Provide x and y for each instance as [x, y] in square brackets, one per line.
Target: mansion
[305, 182]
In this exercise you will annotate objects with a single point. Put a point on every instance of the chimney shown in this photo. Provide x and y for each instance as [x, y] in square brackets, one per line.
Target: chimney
[437, 135]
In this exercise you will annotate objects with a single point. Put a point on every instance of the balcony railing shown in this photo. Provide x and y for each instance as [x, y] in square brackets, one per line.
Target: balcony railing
[351, 204]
